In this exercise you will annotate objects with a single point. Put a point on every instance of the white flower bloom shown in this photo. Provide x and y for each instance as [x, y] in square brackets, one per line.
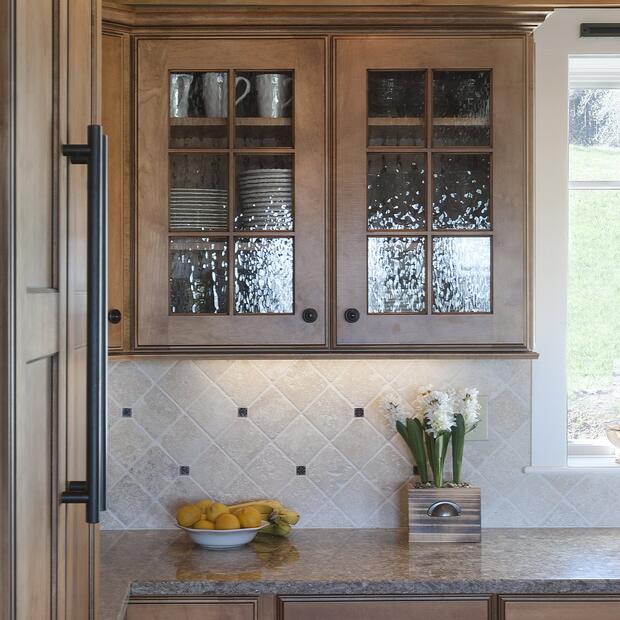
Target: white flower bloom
[437, 409]
[395, 410]
[467, 404]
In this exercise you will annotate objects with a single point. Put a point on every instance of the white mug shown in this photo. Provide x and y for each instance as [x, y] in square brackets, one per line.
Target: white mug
[215, 93]
[179, 94]
[273, 94]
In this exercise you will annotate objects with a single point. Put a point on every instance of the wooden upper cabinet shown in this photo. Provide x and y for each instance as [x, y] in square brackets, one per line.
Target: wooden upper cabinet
[231, 169]
[431, 192]
[114, 118]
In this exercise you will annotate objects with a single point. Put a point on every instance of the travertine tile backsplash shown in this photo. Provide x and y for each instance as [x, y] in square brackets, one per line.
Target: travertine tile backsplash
[185, 414]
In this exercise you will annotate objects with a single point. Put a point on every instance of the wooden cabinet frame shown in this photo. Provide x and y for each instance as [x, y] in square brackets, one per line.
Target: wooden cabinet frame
[331, 24]
[550, 607]
[155, 326]
[506, 325]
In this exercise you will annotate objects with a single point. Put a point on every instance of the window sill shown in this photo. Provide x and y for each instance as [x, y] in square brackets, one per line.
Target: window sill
[579, 464]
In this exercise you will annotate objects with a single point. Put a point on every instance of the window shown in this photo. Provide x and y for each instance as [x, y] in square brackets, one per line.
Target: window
[593, 283]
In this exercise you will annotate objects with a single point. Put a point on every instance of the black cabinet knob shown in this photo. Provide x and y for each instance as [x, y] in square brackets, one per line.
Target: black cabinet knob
[351, 315]
[114, 316]
[309, 315]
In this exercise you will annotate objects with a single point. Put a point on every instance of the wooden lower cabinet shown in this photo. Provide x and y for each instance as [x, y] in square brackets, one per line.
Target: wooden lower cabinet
[214, 609]
[559, 608]
[394, 608]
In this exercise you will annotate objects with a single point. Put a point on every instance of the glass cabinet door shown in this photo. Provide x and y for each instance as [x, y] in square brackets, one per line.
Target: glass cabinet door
[231, 193]
[431, 192]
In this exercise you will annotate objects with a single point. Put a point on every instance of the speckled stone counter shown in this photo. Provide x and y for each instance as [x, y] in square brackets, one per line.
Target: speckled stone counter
[166, 563]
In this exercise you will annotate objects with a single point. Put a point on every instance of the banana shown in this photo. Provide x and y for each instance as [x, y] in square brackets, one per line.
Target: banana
[290, 516]
[271, 510]
[277, 529]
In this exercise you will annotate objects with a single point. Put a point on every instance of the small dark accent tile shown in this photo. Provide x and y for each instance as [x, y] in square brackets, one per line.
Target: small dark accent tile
[184, 470]
[242, 412]
[300, 470]
[127, 412]
[416, 471]
[358, 412]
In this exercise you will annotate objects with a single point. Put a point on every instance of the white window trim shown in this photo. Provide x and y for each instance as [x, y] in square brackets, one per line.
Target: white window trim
[556, 40]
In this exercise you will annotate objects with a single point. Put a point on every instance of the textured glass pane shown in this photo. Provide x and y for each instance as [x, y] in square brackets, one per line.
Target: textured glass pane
[198, 192]
[594, 133]
[461, 107]
[198, 276]
[592, 332]
[198, 110]
[264, 192]
[396, 194]
[461, 192]
[264, 108]
[396, 108]
[462, 274]
[396, 274]
[264, 275]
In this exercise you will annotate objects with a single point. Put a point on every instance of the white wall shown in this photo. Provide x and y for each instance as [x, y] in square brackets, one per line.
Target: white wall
[556, 39]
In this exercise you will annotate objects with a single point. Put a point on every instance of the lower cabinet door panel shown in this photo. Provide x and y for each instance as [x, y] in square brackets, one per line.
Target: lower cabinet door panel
[560, 608]
[192, 611]
[392, 608]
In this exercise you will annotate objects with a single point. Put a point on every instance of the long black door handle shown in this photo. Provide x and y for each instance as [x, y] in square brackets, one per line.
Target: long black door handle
[92, 491]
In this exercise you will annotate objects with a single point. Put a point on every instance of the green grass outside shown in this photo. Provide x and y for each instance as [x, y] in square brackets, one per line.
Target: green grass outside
[594, 164]
[594, 274]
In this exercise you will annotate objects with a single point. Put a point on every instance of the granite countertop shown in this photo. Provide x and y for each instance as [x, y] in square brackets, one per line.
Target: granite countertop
[167, 563]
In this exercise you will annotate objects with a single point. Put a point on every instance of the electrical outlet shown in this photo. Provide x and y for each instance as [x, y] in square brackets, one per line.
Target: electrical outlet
[481, 432]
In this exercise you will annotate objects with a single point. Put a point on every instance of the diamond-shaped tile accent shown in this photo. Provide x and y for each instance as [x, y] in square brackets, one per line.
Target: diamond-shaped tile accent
[155, 412]
[359, 442]
[271, 470]
[128, 500]
[154, 469]
[214, 471]
[184, 382]
[181, 491]
[242, 441]
[300, 441]
[272, 412]
[243, 382]
[155, 517]
[357, 499]
[360, 383]
[301, 384]
[387, 470]
[127, 441]
[330, 470]
[127, 383]
[213, 411]
[304, 496]
[184, 441]
[155, 368]
[507, 411]
[330, 412]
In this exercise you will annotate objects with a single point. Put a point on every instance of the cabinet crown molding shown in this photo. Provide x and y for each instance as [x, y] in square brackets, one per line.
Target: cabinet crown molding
[343, 17]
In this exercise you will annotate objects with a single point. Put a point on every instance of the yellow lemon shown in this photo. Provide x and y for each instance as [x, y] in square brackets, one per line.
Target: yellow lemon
[203, 504]
[215, 510]
[203, 524]
[227, 521]
[188, 515]
[249, 517]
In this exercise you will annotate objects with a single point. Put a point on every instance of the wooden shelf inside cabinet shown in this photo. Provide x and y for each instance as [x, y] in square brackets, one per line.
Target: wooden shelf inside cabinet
[262, 121]
[461, 121]
[198, 121]
[408, 121]
[398, 121]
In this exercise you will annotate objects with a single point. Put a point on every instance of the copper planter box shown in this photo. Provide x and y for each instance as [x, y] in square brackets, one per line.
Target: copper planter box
[444, 515]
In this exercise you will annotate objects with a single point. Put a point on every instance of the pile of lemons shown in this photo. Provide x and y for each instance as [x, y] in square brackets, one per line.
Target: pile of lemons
[210, 515]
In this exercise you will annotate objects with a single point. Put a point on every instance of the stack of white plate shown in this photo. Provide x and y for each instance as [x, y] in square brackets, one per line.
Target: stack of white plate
[265, 199]
[198, 208]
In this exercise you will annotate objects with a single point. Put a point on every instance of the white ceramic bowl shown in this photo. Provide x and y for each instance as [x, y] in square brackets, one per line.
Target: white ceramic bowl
[223, 539]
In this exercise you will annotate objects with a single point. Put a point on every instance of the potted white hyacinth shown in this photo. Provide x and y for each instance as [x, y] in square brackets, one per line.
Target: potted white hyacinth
[438, 419]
